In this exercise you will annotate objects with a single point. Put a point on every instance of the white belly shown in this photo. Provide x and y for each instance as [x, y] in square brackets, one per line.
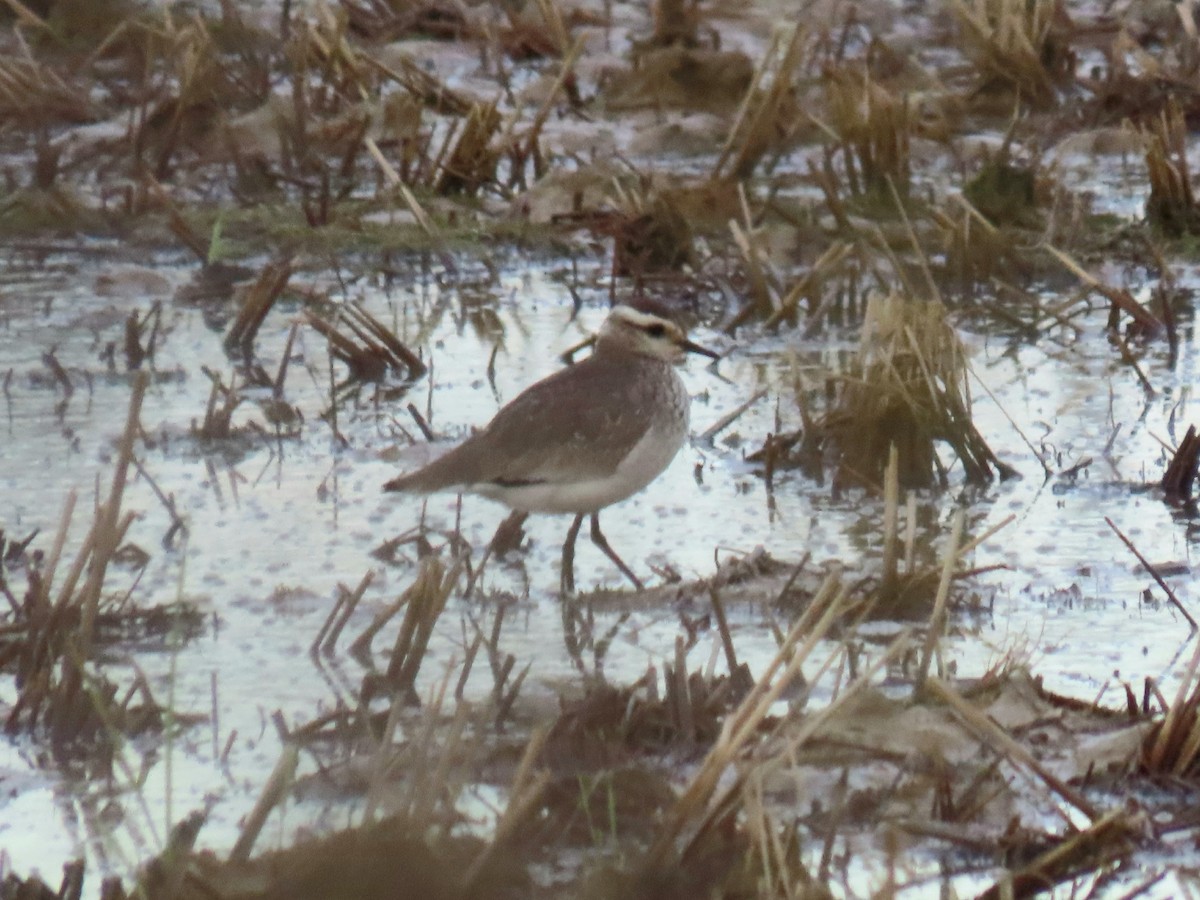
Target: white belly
[645, 462]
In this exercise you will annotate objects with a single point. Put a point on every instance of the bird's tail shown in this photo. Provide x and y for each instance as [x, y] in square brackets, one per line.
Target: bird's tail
[446, 471]
[410, 482]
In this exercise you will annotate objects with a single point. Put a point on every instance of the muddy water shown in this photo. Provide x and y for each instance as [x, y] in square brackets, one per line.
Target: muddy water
[276, 523]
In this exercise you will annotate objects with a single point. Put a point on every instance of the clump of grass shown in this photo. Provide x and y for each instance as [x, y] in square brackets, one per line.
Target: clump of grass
[471, 161]
[1003, 191]
[650, 234]
[873, 130]
[609, 724]
[34, 93]
[974, 250]
[908, 390]
[1172, 747]
[769, 115]
[682, 78]
[420, 773]
[1017, 46]
[1171, 206]
[53, 633]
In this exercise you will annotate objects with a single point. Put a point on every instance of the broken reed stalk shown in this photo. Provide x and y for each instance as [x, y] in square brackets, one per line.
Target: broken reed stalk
[273, 793]
[1121, 299]
[361, 646]
[1179, 479]
[891, 530]
[176, 221]
[1180, 726]
[1002, 743]
[506, 699]
[27, 16]
[429, 796]
[218, 412]
[937, 619]
[60, 539]
[369, 348]
[1103, 841]
[556, 28]
[569, 60]
[812, 626]
[284, 359]
[438, 759]
[730, 417]
[1149, 567]
[762, 287]
[810, 726]
[343, 608]
[809, 285]
[422, 85]
[524, 802]
[379, 762]
[1171, 205]
[754, 126]
[410, 200]
[723, 627]
[679, 698]
[109, 526]
[257, 302]
[429, 594]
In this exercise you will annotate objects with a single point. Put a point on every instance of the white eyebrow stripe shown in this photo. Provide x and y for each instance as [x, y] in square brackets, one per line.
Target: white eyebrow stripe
[638, 318]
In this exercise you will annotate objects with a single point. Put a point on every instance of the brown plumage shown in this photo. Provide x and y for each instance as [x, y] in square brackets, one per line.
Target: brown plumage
[583, 438]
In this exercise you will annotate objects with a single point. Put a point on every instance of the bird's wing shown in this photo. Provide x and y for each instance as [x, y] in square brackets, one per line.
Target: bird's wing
[560, 429]
[564, 429]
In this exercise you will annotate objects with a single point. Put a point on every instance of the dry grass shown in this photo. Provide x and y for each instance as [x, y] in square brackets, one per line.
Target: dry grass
[332, 129]
[368, 348]
[873, 129]
[1171, 206]
[908, 390]
[49, 645]
[35, 94]
[257, 301]
[1018, 46]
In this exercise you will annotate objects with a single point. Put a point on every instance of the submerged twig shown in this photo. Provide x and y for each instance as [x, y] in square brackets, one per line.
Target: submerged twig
[1146, 564]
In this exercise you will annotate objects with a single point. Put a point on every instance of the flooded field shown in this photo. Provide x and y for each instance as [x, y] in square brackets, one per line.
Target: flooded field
[258, 263]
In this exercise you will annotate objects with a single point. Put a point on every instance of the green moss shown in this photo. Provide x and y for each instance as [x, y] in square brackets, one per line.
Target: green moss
[1003, 193]
[246, 231]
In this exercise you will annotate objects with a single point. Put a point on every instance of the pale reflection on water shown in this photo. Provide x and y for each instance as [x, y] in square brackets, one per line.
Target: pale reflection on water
[275, 526]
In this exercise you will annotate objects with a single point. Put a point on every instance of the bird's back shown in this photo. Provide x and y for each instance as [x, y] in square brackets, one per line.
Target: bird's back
[576, 428]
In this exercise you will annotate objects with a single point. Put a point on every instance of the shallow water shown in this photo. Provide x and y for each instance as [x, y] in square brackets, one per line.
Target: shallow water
[276, 525]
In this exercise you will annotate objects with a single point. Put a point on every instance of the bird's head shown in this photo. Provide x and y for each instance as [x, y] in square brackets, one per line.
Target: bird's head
[647, 334]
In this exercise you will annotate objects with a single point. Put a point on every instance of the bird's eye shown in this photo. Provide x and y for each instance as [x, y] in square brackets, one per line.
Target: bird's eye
[657, 330]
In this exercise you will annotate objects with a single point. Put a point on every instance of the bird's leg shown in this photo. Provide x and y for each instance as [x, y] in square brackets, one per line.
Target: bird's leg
[567, 582]
[507, 537]
[600, 541]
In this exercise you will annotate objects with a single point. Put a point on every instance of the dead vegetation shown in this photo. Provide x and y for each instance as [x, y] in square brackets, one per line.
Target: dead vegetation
[52, 633]
[830, 182]
[1020, 49]
[907, 390]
